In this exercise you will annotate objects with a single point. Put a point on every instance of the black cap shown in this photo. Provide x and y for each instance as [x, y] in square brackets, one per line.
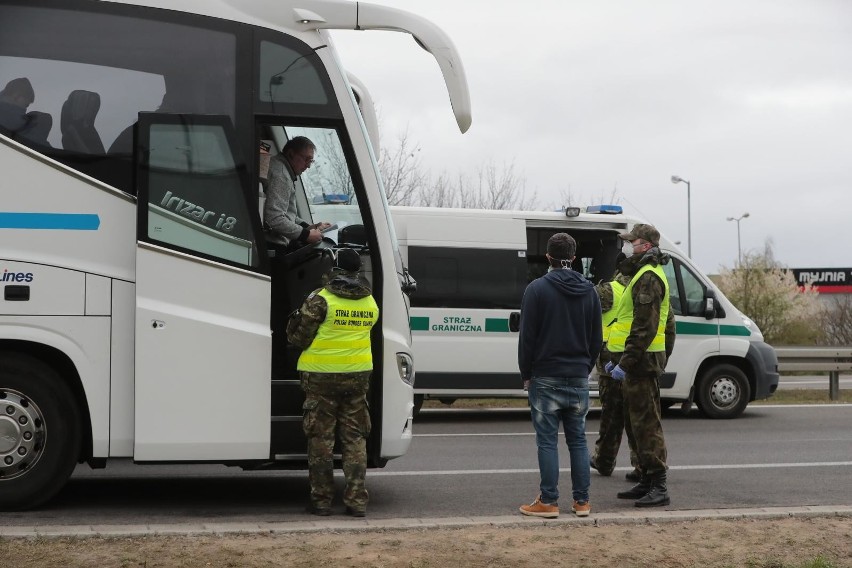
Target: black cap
[348, 260]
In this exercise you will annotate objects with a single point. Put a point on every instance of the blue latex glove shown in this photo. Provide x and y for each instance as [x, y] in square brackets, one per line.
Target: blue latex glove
[608, 367]
[617, 373]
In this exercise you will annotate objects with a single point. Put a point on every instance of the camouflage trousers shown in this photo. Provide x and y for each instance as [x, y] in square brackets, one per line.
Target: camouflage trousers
[337, 403]
[642, 416]
[611, 426]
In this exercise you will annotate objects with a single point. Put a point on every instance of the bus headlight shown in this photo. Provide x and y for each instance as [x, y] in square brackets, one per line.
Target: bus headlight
[406, 368]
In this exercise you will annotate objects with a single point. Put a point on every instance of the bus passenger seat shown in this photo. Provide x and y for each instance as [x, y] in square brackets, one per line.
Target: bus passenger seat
[77, 123]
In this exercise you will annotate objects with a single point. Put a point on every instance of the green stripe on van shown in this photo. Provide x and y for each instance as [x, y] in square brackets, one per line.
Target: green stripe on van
[419, 323]
[497, 325]
[692, 328]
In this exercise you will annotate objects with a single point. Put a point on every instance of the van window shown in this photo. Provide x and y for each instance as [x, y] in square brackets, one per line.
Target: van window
[467, 278]
[694, 291]
[686, 290]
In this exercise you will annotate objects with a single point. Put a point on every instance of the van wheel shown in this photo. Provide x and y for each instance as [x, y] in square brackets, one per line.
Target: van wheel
[418, 404]
[447, 401]
[723, 392]
[40, 433]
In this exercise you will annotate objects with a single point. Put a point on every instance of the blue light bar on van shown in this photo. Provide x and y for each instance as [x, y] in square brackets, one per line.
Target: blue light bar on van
[609, 209]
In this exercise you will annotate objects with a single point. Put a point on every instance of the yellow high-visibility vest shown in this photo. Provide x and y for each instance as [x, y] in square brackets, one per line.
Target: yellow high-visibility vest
[342, 343]
[624, 316]
[608, 317]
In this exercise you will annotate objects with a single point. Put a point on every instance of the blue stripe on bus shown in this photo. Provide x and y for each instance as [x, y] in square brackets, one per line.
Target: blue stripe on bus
[50, 221]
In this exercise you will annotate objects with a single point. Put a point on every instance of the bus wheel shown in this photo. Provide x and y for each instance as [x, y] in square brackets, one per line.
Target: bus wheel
[723, 392]
[418, 404]
[40, 432]
[447, 401]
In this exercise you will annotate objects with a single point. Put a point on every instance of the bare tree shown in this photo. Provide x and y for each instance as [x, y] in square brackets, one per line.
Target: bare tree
[836, 321]
[495, 187]
[768, 293]
[567, 198]
[401, 171]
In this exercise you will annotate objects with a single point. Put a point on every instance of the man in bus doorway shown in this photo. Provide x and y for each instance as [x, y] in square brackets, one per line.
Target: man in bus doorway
[640, 342]
[560, 337]
[333, 327]
[285, 230]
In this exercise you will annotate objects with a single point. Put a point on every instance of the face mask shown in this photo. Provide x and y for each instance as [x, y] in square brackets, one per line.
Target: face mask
[627, 249]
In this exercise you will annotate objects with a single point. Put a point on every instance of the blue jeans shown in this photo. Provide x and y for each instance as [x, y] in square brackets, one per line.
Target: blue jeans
[567, 399]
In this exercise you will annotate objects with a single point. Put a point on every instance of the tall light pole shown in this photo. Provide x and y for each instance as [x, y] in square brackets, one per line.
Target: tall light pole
[739, 248]
[678, 179]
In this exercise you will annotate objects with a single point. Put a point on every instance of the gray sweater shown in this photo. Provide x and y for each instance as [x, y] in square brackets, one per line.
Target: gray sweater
[279, 212]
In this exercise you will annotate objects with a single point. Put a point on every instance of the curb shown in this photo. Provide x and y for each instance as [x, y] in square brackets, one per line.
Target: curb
[382, 525]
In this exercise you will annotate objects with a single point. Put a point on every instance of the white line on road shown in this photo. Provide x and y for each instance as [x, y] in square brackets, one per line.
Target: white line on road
[671, 467]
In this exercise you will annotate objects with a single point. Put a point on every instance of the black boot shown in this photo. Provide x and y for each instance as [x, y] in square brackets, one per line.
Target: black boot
[658, 495]
[639, 490]
[634, 475]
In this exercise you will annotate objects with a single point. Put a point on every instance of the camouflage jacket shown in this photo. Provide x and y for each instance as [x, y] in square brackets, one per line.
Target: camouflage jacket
[647, 297]
[303, 324]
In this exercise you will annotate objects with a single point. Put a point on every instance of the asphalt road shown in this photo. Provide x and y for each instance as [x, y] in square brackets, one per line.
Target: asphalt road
[466, 463]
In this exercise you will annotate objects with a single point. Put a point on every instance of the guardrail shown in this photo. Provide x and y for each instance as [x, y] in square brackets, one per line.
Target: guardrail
[831, 359]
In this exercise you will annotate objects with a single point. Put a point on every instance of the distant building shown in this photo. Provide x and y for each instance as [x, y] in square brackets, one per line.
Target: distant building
[829, 282]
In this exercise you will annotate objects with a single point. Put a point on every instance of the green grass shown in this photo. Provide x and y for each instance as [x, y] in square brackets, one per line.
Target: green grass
[797, 396]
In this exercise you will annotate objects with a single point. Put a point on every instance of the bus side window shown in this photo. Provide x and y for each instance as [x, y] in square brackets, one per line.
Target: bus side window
[453, 277]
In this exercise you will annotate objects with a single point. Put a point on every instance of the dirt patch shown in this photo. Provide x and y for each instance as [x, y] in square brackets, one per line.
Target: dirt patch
[822, 542]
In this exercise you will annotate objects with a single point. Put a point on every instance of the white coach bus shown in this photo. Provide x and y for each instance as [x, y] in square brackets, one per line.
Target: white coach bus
[142, 313]
[472, 267]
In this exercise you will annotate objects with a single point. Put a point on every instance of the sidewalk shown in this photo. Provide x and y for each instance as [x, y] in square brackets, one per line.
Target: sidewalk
[361, 525]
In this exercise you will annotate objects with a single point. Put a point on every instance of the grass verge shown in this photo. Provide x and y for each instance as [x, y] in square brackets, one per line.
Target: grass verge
[797, 396]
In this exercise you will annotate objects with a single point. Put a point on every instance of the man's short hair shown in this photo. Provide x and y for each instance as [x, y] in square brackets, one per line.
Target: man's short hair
[298, 144]
[561, 246]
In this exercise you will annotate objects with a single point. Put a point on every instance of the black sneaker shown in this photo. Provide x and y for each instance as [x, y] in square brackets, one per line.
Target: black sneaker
[353, 512]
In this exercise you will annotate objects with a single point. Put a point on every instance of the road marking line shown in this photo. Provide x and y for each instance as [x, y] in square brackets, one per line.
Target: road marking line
[372, 473]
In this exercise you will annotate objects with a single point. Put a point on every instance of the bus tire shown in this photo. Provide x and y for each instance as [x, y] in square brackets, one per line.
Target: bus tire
[40, 432]
[723, 392]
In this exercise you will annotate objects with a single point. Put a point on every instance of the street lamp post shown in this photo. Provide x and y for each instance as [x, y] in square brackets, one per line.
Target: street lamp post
[739, 247]
[678, 179]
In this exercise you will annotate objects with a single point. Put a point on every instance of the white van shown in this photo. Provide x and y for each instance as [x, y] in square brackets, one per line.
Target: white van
[472, 266]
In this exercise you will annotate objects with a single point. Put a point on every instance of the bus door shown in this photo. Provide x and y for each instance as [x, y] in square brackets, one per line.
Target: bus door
[202, 335]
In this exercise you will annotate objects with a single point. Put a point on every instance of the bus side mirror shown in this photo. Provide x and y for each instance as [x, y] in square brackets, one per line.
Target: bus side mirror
[409, 284]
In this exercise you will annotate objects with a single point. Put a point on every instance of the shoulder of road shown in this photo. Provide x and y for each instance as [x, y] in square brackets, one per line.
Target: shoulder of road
[367, 524]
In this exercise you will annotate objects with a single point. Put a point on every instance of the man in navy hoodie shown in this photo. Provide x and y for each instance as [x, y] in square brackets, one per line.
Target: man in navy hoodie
[558, 345]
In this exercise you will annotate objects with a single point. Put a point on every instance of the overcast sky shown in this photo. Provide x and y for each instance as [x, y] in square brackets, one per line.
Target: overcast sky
[750, 100]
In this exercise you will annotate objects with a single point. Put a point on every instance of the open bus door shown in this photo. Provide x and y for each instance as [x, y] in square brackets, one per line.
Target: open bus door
[202, 330]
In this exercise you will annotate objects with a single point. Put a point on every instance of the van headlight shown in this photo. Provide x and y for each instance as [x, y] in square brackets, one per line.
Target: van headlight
[752, 327]
[406, 368]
